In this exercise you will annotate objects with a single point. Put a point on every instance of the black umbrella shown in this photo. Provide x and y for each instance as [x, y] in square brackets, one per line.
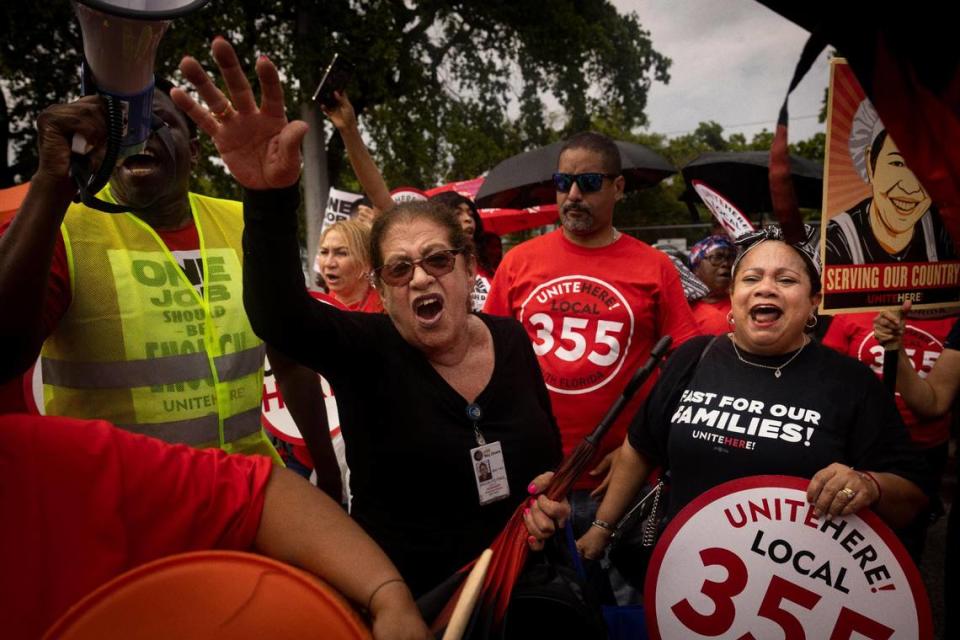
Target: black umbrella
[526, 180]
[742, 177]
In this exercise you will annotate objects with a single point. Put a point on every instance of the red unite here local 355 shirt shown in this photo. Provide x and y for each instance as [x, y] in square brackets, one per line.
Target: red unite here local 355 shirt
[593, 315]
[83, 502]
[852, 334]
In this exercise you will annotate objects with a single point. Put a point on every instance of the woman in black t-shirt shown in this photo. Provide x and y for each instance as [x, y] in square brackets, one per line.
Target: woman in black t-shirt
[765, 399]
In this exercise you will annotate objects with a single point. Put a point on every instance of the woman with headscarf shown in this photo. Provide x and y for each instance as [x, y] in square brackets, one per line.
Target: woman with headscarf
[813, 412]
[711, 259]
[897, 223]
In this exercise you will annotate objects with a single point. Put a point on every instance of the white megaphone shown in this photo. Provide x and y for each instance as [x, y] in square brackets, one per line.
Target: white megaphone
[120, 40]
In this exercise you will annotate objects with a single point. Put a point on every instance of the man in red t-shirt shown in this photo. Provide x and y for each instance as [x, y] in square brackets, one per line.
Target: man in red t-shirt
[852, 334]
[594, 302]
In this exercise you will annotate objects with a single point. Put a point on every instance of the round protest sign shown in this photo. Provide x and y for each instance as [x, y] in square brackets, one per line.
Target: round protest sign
[729, 216]
[750, 560]
[33, 389]
[276, 418]
[407, 194]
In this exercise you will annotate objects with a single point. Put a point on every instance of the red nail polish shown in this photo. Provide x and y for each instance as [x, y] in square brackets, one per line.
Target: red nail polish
[531, 488]
[531, 539]
[526, 511]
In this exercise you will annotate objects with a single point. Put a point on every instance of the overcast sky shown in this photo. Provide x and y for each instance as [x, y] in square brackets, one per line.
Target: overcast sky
[732, 63]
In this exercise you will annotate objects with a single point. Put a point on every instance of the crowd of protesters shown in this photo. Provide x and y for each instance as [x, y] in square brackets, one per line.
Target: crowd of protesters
[462, 376]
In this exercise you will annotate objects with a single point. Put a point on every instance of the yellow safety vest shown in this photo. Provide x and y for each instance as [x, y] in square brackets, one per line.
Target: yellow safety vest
[141, 347]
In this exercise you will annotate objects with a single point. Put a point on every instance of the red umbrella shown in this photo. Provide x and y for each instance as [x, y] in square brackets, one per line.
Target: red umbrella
[510, 548]
[501, 221]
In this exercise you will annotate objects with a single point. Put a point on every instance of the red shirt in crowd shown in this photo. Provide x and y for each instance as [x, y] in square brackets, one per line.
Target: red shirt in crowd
[711, 317]
[592, 315]
[83, 502]
[370, 303]
[852, 334]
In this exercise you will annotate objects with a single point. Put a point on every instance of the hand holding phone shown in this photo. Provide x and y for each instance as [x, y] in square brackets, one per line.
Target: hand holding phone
[335, 78]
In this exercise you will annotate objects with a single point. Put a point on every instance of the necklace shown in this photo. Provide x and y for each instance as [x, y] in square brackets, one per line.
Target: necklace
[776, 370]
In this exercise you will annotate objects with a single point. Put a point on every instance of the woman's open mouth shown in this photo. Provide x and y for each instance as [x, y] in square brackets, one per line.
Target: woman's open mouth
[765, 314]
[428, 309]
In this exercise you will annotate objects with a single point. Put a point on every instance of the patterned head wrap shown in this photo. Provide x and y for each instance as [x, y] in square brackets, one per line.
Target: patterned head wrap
[808, 248]
[705, 247]
[693, 288]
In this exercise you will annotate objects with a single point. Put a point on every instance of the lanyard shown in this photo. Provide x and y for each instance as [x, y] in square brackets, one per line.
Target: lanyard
[475, 414]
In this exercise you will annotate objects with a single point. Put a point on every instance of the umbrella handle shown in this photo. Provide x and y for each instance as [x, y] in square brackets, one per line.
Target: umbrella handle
[636, 381]
[468, 598]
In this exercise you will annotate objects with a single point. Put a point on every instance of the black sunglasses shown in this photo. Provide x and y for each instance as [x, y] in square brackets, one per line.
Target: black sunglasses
[718, 258]
[588, 182]
[400, 272]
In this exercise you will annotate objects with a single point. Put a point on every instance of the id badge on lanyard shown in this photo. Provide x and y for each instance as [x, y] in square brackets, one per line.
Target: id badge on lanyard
[486, 459]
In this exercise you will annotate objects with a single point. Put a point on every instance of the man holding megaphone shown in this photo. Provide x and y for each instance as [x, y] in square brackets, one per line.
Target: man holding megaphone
[140, 316]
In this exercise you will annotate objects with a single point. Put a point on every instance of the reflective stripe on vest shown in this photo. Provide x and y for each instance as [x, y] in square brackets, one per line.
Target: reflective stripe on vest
[140, 346]
[148, 373]
[202, 430]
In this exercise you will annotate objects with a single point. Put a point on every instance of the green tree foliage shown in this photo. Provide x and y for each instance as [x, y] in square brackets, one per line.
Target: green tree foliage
[662, 204]
[446, 88]
[39, 65]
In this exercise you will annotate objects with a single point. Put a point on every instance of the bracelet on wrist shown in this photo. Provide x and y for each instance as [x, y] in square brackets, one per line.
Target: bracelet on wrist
[875, 482]
[380, 586]
[603, 524]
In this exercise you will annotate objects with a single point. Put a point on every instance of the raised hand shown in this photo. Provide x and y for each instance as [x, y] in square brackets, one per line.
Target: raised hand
[342, 116]
[56, 128]
[260, 148]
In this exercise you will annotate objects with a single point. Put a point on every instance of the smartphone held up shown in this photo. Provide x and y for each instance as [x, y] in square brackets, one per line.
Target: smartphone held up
[335, 78]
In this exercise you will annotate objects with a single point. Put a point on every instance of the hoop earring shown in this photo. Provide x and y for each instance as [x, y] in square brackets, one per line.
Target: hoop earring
[808, 323]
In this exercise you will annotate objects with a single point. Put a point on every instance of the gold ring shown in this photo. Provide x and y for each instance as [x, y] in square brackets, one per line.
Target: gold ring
[847, 491]
[219, 115]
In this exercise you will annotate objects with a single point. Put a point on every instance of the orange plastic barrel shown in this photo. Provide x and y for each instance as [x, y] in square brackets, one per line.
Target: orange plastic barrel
[212, 594]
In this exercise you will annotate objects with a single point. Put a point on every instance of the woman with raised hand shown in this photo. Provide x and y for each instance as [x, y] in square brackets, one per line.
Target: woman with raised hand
[425, 392]
[766, 399]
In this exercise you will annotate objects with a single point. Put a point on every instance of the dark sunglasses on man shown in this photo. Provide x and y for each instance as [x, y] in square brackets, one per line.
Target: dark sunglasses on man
[397, 273]
[588, 182]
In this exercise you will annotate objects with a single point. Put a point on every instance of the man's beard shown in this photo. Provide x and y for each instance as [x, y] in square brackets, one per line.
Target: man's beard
[582, 222]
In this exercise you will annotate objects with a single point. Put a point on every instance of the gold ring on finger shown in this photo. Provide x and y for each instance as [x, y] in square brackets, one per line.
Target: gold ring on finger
[848, 492]
[219, 116]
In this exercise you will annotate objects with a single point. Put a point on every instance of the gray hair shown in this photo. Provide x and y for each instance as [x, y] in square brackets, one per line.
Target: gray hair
[864, 129]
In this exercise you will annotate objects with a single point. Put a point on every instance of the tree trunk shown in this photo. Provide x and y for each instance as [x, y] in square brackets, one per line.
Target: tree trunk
[6, 176]
[315, 180]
